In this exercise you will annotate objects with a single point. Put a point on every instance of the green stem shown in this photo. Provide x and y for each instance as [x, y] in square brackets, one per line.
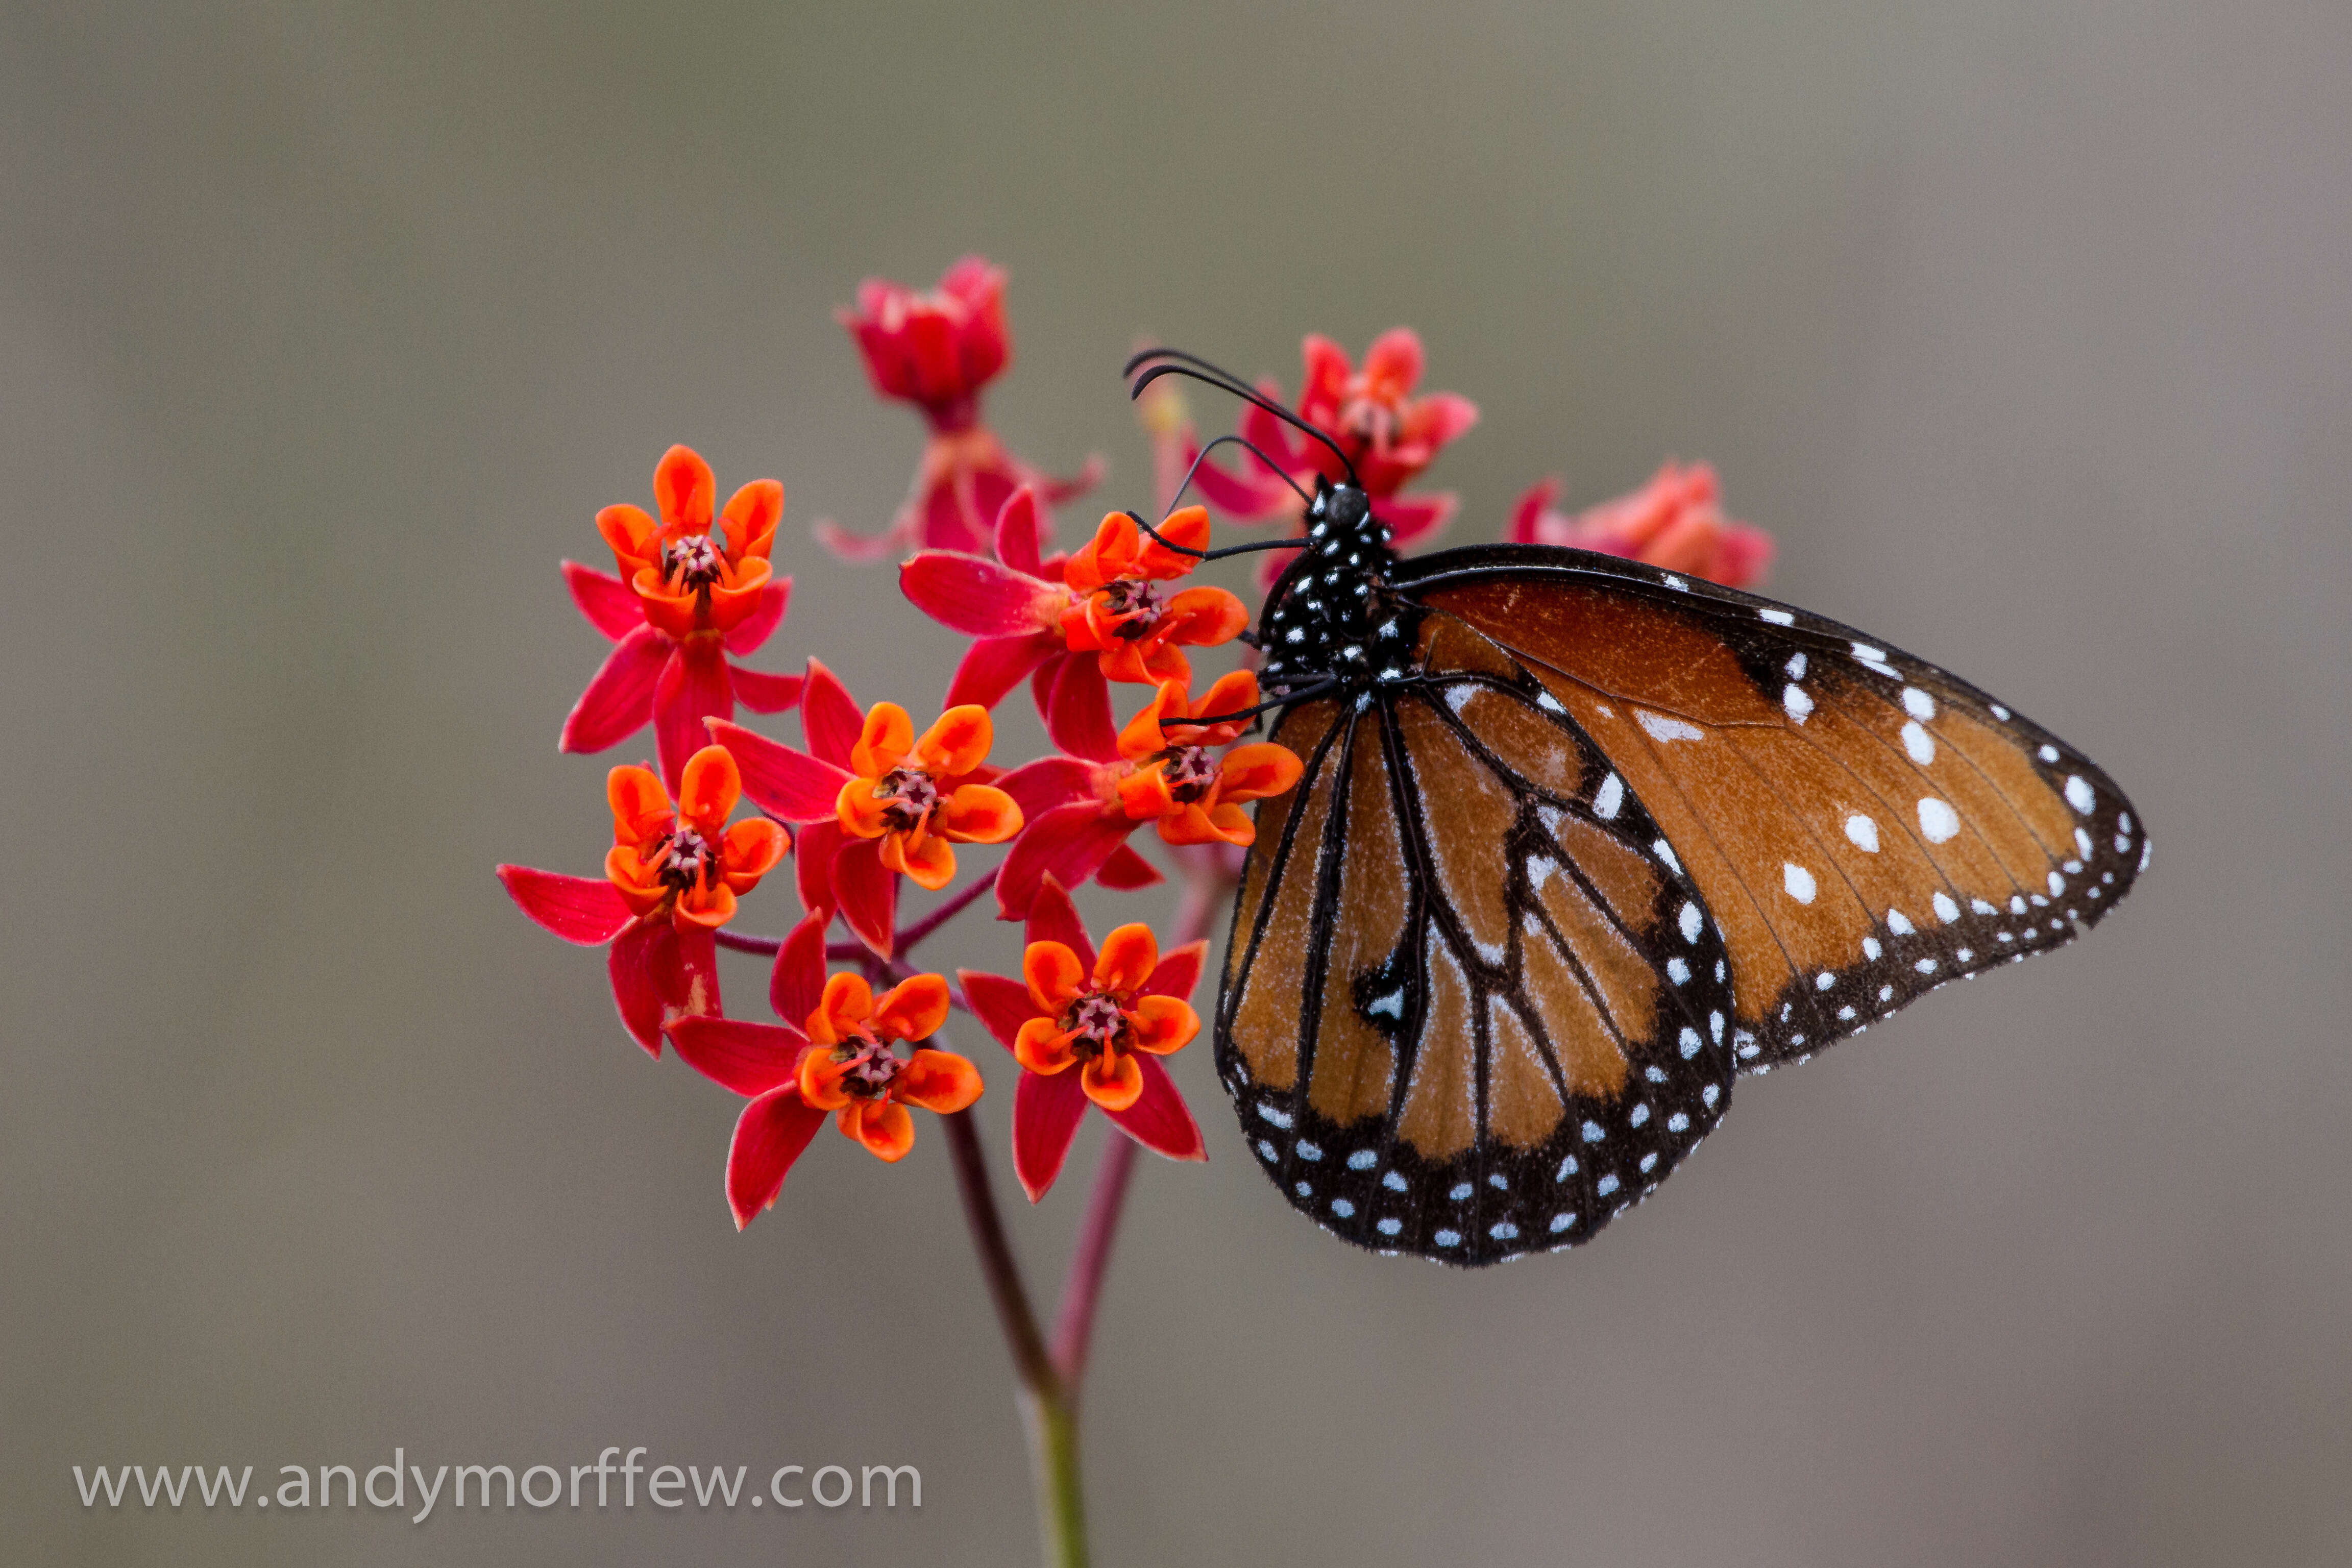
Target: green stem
[1053, 1425]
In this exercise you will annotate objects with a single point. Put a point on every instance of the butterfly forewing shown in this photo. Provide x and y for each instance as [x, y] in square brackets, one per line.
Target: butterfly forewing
[1864, 825]
[1474, 1006]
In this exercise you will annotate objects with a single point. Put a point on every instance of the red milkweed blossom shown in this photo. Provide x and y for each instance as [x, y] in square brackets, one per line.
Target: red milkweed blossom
[838, 1058]
[1193, 796]
[1388, 435]
[1103, 612]
[879, 801]
[916, 795]
[1676, 520]
[1161, 770]
[938, 351]
[689, 594]
[1087, 1027]
[670, 879]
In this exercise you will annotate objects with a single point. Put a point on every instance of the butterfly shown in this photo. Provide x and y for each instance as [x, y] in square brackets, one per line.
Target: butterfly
[1578, 844]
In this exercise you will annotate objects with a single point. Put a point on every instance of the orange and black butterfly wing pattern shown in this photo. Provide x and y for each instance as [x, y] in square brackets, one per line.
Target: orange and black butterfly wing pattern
[1864, 825]
[1473, 1006]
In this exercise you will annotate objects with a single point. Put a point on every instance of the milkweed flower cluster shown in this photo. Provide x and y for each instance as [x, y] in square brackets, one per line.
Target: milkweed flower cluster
[862, 800]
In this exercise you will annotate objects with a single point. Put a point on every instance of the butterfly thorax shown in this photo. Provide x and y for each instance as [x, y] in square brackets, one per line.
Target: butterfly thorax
[1329, 614]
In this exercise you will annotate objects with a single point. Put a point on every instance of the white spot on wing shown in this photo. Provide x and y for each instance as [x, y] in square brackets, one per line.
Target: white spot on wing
[1458, 697]
[1947, 910]
[1919, 745]
[1548, 703]
[1796, 667]
[1899, 922]
[1691, 922]
[2079, 795]
[1798, 880]
[1938, 820]
[1666, 852]
[1800, 706]
[1863, 832]
[1778, 617]
[1607, 799]
[1918, 704]
[1661, 728]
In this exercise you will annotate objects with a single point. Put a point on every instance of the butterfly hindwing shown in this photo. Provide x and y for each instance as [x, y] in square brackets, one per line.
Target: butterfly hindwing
[1865, 825]
[1474, 1006]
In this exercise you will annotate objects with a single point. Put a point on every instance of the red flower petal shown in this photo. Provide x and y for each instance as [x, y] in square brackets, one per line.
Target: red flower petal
[1077, 715]
[1038, 787]
[1250, 496]
[746, 635]
[694, 687]
[586, 910]
[604, 599]
[869, 893]
[830, 720]
[1070, 843]
[1441, 416]
[1019, 530]
[768, 1136]
[1179, 971]
[858, 549]
[796, 984]
[1053, 918]
[1046, 1110]
[994, 666]
[750, 1058]
[633, 982]
[685, 970]
[812, 867]
[620, 697]
[1126, 870]
[1528, 512]
[976, 596]
[1000, 1004]
[791, 783]
[1158, 1119]
[762, 692]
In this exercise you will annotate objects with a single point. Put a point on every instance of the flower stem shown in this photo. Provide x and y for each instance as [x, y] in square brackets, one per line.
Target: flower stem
[1051, 1380]
[997, 1264]
[744, 942]
[944, 913]
[1047, 1405]
[1053, 1425]
[1073, 1327]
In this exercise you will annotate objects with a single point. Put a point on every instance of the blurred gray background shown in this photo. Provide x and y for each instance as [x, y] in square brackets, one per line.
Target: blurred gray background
[324, 331]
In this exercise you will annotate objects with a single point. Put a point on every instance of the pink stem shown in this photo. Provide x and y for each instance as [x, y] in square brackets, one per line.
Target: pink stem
[944, 913]
[1074, 1330]
[744, 943]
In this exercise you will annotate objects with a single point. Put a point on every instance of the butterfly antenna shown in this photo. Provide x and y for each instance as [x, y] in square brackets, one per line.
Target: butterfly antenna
[1204, 556]
[1201, 370]
[1322, 684]
[1272, 467]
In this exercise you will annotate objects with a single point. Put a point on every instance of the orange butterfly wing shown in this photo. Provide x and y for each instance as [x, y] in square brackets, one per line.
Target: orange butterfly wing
[1596, 838]
[1865, 825]
[1470, 1010]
